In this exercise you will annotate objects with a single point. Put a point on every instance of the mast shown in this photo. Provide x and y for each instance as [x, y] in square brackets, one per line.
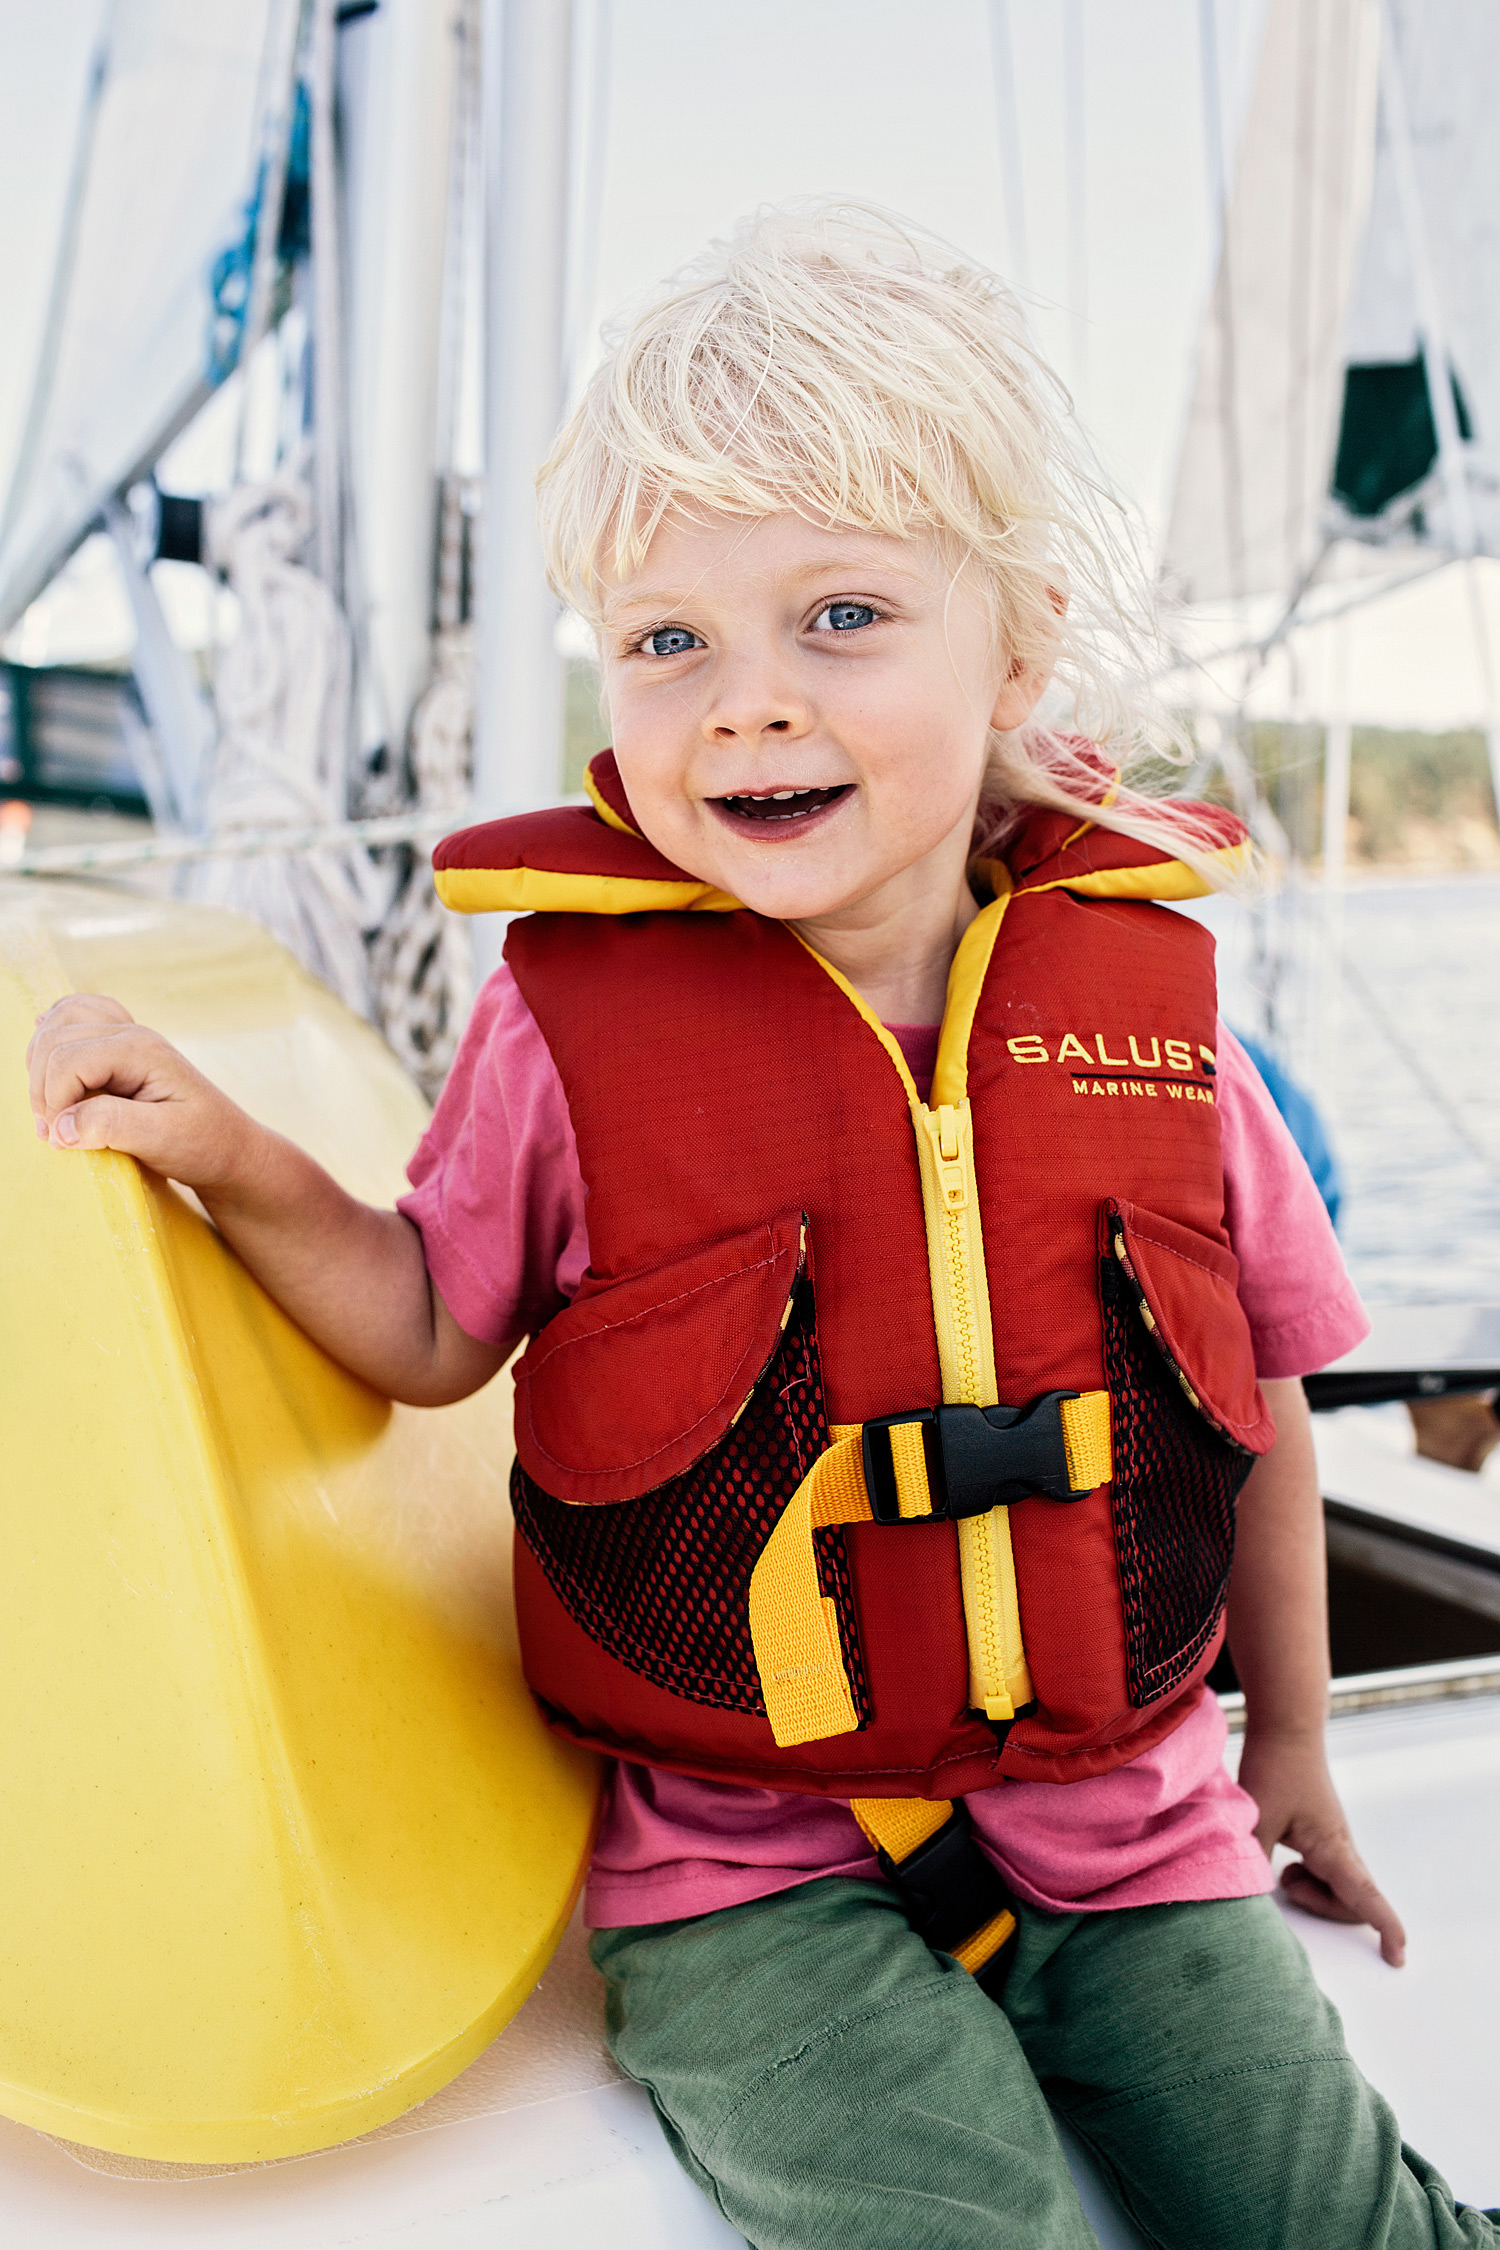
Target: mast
[527, 86]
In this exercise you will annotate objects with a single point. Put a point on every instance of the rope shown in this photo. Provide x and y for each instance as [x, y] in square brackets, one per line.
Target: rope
[283, 695]
[242, 843]
[420, 962]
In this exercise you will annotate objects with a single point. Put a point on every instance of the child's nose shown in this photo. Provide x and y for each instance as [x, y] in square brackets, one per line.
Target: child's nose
[753, 700]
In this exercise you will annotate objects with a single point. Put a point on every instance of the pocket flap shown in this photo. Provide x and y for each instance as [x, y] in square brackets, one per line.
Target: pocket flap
[1186, 1288]
[633, 1383]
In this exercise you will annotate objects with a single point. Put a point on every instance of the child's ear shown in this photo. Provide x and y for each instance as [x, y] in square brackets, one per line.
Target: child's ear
[1024, 683]
[1019, 697]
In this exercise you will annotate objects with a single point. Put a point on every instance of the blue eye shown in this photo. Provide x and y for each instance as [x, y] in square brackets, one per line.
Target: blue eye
[670, 640]
[844, 617]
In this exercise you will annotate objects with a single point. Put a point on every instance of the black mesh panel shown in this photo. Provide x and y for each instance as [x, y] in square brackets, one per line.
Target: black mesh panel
[663, 1582]
[1175, 1486]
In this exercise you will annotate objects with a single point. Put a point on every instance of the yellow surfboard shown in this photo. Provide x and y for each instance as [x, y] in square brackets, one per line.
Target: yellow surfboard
[285, 1841]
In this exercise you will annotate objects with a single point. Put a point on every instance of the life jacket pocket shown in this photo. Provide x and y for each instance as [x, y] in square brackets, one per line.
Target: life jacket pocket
[662, 1425]
[1188, 1422]
[635, 1381]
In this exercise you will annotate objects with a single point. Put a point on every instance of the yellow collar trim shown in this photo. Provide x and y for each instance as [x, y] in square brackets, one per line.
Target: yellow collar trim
[1166, 879]
[536, 890]
[857, 1000]
[606, 812]
[950, 1080]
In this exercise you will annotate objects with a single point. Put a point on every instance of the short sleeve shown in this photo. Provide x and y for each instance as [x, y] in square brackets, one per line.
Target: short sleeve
[496, 1192]
[1301, 1305]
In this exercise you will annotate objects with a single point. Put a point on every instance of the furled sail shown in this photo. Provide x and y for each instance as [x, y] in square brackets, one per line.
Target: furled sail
[1253, 471]
[1387, 482]
[1361, 250]
[152, 275]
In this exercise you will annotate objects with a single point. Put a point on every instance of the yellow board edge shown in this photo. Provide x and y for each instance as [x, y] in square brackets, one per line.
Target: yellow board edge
[374, 1814]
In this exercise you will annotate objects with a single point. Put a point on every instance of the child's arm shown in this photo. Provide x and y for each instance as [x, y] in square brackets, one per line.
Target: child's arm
[1278, 1636]
[353, 1277]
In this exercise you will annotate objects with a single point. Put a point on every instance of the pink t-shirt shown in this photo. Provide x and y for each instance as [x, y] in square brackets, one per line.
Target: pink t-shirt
[500, 1202]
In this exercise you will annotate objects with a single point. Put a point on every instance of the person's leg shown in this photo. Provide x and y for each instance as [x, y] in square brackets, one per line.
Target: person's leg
[834, 2085]
[1189, 2047]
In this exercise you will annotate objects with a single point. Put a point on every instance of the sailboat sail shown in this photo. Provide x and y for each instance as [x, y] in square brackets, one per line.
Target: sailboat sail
[1388, 486]
[1253, 471]
[1361, 254]
[170, 145]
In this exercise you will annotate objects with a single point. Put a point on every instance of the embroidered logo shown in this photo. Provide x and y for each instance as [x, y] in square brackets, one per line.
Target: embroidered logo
[1116, 1066]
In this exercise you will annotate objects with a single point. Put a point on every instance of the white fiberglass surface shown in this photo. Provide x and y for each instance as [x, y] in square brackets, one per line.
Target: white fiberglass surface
[1361, 1462]
[587, 2164]
[1421, 1786]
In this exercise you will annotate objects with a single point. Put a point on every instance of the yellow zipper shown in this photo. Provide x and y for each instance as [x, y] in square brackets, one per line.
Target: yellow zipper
[999, 1682]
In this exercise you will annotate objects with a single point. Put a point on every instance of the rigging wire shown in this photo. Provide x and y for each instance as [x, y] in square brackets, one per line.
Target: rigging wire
[329, 418]
[276, 136]
[1437, 1094]
[1437, 366]
[1008, 124]
[1075, 104]
[1231, 465]
[593, 36]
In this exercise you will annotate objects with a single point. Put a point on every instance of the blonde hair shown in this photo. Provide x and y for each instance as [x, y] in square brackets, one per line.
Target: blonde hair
[833, 361]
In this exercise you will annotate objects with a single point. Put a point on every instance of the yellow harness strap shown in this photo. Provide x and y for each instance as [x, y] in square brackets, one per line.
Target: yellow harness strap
[1086, 1441]
[794, 1627]
[898, 1827]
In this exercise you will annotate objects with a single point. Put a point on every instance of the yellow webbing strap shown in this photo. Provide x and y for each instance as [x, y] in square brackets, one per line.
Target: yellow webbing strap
[898, 1826]
[909, 1459]
[985, 1943]
[1085, 1428]
[794, 1626]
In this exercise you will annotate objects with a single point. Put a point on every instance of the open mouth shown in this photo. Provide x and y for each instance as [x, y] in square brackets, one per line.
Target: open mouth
[780, 807]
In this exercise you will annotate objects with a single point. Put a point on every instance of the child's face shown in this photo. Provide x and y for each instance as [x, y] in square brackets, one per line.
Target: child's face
[800, 713]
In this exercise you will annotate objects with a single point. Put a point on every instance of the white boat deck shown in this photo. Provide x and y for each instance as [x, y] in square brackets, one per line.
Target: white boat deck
[1365, 1464]
[540, 2144]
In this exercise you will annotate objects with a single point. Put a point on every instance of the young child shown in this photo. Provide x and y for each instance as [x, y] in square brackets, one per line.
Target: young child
[900, 1243]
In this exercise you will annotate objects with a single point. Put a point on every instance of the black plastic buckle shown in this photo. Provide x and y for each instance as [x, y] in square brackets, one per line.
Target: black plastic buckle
[950, 1891]
[978, 1457]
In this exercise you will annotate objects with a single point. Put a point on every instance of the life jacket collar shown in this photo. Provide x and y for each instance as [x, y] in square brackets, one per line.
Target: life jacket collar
[593, 859]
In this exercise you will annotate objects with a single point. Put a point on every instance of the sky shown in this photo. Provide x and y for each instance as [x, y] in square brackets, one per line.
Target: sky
[692, 115]
[711, 111]
[896, 101]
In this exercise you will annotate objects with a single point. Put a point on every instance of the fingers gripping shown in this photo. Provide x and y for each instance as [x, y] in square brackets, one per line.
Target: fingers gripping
[102, 1122]
[119, 1059]
[74, 1011]
[77, 1017]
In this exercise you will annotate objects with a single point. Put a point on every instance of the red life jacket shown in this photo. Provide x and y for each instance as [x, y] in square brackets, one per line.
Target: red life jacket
[731, 1562]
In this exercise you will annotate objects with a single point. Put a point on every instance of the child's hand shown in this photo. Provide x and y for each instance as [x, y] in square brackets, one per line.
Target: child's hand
[101, 1080]
[352, 1276]
[1289, 1779]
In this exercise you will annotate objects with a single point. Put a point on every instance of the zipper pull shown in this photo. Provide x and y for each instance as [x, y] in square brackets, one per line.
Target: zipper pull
[945, 1131]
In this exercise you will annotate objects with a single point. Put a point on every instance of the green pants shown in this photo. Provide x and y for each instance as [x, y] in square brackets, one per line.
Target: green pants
[833, 2085]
